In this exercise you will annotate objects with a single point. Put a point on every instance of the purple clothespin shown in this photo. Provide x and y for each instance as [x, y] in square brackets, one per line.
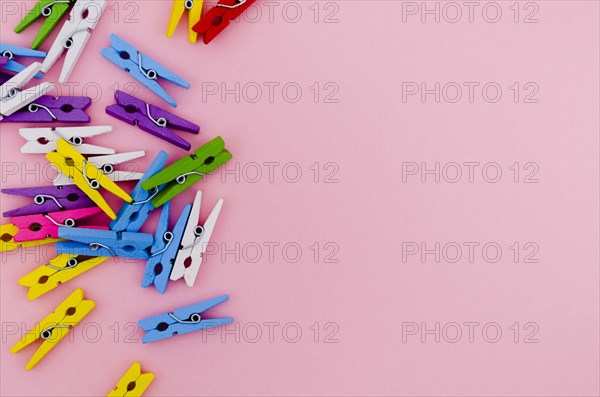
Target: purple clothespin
[151, 119]
[49, 199]
[3, 61]
[3, 77]
[47, 109]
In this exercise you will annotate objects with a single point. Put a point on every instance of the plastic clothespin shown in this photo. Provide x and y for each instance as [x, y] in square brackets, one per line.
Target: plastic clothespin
[49, 199]
[131, 217]
[55, 326]
[8, 243]
[74, 35]
[12, 52]
[194, 243]
[218, 18]
[185, 172]
[107, 164]
[48, 109]
[41, 226]
[141, 67]
[152, 119]
[61, 269]
[43, 140]
[90, 242]
[87, 177]
[164, 249]
[52, 11]
[14, 97]
[182, 321]
[133, 383]
[195, 11]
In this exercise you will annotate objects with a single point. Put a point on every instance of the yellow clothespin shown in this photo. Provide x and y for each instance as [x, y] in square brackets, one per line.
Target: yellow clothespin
[133, 383]
[7, 239]
[61, 269]
[195, 11]
[87, 177]
[55, 326]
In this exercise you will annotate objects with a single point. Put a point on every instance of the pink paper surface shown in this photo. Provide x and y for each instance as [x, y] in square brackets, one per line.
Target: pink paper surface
[339, 249]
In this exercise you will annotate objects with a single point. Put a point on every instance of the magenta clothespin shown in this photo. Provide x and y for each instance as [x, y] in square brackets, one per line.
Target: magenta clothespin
[47, 109]
[42, 226]
[49, 199]
[152, 119]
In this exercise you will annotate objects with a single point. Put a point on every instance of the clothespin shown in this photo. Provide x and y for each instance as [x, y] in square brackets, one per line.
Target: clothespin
[74, 36]
[55, 326]
[182, 321]
[152, 119]
[14, 97]
[48, 109]
[195, 11]
[49, 199]
[13, 51]
[43, 140]
[87, 177]
[131, 217]
[107, 164]
[41, 226]
[61, 269]
[3, 61]
[164, 249]
[52, 11]
[8, 243]
[133, 383]
[194, 243]
[185, 172]
[141, 67]
[90, 242]
[218, 18]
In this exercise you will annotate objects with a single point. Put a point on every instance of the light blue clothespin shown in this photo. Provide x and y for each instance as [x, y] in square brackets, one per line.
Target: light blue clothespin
[13, 51]
[141, 67]
[93, 242]
[165, 248]
[182, 321]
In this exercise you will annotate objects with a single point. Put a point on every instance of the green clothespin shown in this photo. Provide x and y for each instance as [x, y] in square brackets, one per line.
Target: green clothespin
[185, 172]
[52, 10]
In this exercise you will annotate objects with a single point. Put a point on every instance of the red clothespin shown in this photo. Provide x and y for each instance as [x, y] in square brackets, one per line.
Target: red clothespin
[218, 18]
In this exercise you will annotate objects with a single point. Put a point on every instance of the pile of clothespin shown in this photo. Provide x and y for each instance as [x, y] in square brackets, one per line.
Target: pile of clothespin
[67, 214]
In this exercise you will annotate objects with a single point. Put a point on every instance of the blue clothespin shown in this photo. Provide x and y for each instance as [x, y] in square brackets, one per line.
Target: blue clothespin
[92, 242]
[13, 51]
[131, 217]
[182, 321]
[141, 67]
[165, 248]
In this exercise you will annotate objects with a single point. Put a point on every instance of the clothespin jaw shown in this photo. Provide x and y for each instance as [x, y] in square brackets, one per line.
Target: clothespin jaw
[133, 383]
[194, 243]
[74, 35]
[90, 242]
[182, 321]
[52, 11]
[151, 119]
[131, 217]
[48, 109]
[55, 326]
[44, 140]
[8, 243]
[14, 97]
[218, 18]
[185, 172]
[86, 176]
[12, 52]
[163, 252]
[142, 68]
[194, 8]
[61, 269]
[49, 199]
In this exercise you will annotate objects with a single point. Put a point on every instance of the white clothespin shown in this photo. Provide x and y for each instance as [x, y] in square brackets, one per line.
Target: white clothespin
[194, 242]
[43, 140]
[74, 36]
[107, 164]
[12, 95]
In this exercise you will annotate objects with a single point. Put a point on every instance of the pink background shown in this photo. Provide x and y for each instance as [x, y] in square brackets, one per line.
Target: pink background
[367, 214]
